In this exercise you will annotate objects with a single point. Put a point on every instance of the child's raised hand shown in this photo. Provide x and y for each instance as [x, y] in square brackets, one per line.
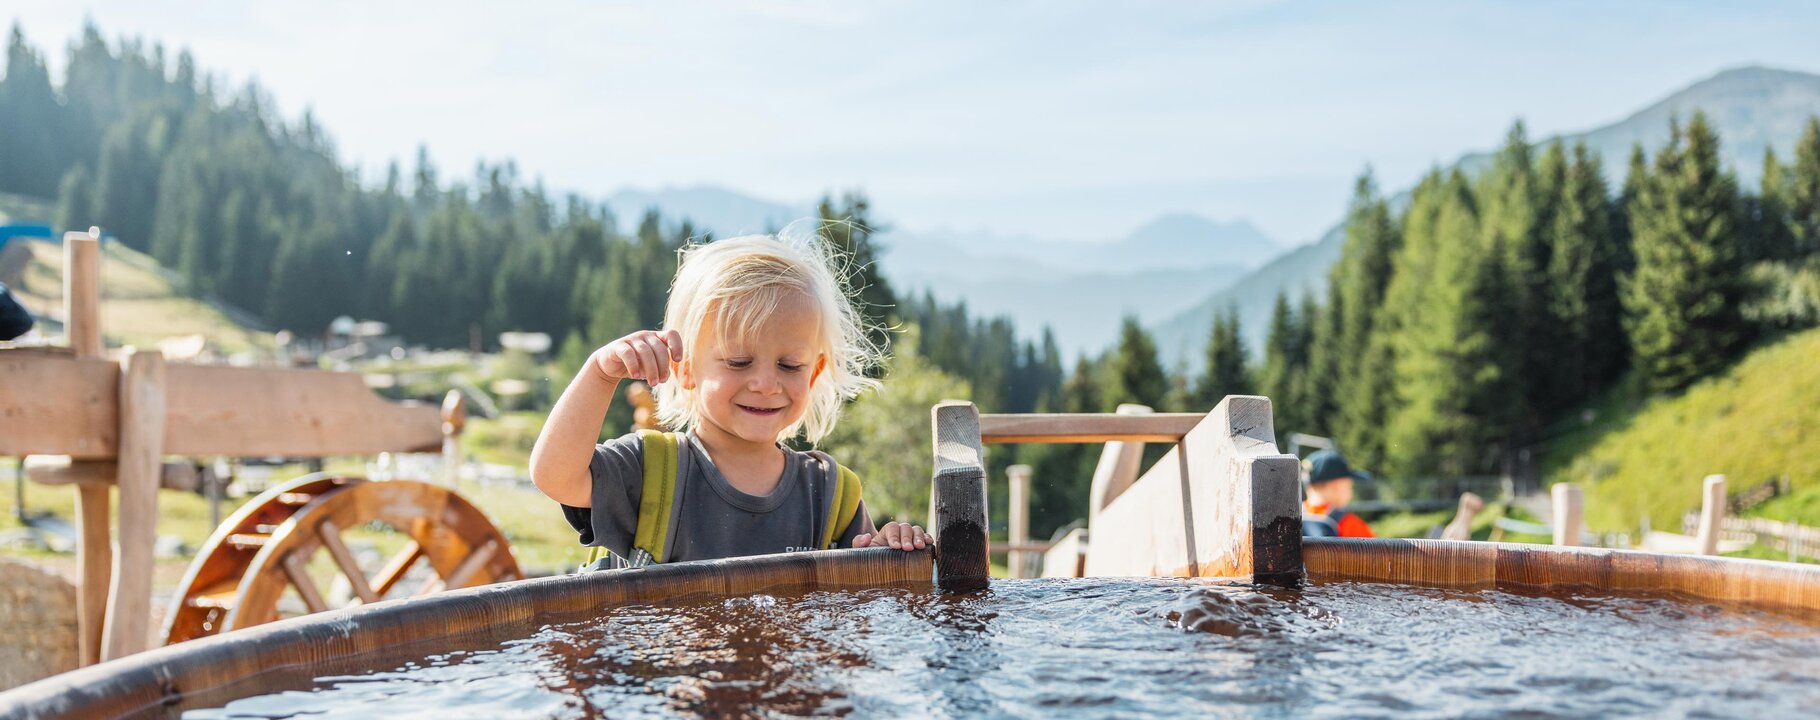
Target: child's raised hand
[644, 355]
[900, 535]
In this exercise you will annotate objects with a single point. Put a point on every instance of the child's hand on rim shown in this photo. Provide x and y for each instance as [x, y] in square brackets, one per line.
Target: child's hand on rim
[900, 535]
[643, 355]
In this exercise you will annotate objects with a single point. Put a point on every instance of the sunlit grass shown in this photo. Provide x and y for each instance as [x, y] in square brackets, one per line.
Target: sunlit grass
[1757, 421]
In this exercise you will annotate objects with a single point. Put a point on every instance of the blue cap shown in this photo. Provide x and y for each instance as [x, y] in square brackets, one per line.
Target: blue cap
[1327, 465]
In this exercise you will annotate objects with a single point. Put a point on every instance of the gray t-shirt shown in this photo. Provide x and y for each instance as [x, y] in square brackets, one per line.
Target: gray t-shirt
[714, 519]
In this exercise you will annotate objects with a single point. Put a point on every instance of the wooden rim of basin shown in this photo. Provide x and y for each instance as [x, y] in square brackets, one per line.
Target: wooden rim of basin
[157, 680]
[1483, 565]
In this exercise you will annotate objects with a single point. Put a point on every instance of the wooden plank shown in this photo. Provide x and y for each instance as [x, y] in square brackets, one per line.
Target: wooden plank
[471, 565]
[344, 559]
[94, 566]
[296, 571]
[295, 413]
[92, 407]
[396, 568]
[958, 500]
[54, 404]
[1068, 557]
[1118, 467]
[82, 293]
[1242, 500]
[141, 431]
[1085, 427]
[1712, 514]
[1017, 560]
[64, 470]
[1568, 503]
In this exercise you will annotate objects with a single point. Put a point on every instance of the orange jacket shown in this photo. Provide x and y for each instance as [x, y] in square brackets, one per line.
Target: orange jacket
[1324, 521]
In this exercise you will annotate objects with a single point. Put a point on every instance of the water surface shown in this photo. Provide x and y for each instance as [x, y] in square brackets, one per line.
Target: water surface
[1111, 648]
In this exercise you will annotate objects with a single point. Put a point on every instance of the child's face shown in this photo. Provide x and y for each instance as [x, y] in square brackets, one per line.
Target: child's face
[751, 389]
[1336, 493]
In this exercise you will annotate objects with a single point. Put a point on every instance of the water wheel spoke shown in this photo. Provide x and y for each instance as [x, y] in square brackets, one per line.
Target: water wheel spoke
[474, 562]
[396, 568]
[431, 586]
[331, 539]
[306, 588]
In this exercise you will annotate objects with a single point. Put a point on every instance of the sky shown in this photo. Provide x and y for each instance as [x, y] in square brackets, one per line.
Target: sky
[1064, 120]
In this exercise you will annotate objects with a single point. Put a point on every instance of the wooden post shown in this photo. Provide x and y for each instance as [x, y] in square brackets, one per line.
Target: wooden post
[454, 418]
[958, 498]
[1568, 505]
[94, 554]
[141, 439]
[1712, 514]
[1118, 467]
[1018, 561]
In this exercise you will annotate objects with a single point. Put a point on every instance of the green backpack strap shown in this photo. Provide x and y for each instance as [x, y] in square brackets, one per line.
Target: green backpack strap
[844, 505]
[657, 503]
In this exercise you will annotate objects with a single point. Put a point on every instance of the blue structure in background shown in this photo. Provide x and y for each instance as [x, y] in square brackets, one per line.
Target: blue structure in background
[24, 230]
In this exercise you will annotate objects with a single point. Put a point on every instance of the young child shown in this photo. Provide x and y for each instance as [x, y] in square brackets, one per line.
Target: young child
[760, 342]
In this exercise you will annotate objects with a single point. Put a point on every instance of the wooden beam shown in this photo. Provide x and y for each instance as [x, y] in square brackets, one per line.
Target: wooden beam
[1118, 467]
[1712, 514]
[1085, 427]
[1017, 560]
[82, 293]
[344, 559]
[141, 432]
[63, 470]
[958, 501]
[1068, 557]
[1237, 516]
[93, 408]
[54, 404]
[1568, 505]
[94, 566]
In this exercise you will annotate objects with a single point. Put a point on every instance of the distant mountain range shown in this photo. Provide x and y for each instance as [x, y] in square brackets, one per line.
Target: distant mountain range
[1751, 108]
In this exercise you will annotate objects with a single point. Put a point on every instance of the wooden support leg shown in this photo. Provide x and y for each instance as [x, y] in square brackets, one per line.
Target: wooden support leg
[1712, 514]
[141, 439]
[94, 563]
[1018, 561]
[958, 499]
[1568, 504]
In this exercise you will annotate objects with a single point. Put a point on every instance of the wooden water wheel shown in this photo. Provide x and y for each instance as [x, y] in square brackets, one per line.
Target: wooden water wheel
[262, 551]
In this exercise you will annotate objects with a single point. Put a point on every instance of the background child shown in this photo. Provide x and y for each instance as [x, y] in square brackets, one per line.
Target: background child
[760, 342]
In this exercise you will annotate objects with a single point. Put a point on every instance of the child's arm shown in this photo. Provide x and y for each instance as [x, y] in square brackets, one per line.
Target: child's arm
[559, 460]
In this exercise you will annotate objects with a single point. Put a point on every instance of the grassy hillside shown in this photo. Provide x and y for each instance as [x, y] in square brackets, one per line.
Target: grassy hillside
[1758, 420]
[139, 306]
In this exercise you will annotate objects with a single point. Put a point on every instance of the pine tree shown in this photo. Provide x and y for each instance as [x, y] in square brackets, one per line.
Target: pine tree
[1446, 361]
[1583, 283]
[1132, 373]
[1227, 372]
[30, 115]
[1682, 302]
[1804, 194]
[1363, 360]
[1283, 377]
[1771, 233]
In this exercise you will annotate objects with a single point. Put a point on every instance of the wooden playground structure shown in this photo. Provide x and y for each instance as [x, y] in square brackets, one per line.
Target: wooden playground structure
[105, 426]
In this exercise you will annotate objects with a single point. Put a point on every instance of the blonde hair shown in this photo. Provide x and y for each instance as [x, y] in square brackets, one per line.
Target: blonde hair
[738, 283]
